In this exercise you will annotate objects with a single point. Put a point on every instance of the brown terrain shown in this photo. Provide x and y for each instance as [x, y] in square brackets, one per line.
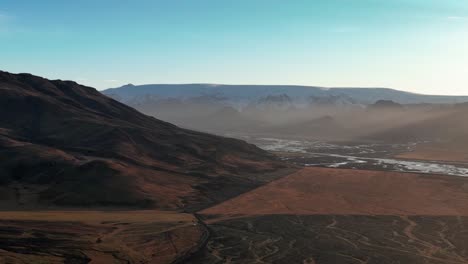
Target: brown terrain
[320, 215]
[323, 191]
[97, 237]
[436, 152]
[337, 239]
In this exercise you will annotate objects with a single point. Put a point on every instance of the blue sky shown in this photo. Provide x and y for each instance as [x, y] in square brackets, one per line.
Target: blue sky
[414, 45]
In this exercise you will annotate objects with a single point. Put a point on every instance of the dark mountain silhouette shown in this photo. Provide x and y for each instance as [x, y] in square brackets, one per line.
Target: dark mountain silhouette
[385, 105]
[65, 144]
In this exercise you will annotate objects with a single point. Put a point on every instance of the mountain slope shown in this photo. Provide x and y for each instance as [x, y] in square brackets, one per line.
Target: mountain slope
[442, 135]
[66, 144]
[446, 126]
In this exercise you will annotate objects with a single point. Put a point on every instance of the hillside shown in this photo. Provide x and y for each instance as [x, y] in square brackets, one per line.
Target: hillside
[441, 136]
[63, 144]
[446, 126]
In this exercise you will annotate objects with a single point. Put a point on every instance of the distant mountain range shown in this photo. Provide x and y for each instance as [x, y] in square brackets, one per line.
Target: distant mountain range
[240, 96]
[275, 110]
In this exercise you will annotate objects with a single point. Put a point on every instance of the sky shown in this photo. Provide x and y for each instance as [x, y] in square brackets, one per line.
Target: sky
[414, 45]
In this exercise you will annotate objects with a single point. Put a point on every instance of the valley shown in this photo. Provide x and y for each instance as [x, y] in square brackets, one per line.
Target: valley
[87, 179]
[409, 157]
[356, 203]
[344, 203]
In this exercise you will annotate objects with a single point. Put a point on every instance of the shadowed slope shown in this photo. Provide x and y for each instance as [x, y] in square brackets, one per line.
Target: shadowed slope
[67, 144]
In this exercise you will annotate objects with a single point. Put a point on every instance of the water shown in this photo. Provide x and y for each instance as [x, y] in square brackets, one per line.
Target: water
[358, 156]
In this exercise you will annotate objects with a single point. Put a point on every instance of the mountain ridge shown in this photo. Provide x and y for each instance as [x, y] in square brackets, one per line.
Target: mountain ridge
[64, 144]
[255, 92]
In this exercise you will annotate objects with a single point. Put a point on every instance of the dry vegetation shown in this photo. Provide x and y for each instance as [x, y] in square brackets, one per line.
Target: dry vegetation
[97, 237]
[352, 192]
[329, 216]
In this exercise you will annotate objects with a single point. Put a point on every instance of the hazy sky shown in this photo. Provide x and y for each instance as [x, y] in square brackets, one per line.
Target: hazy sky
[414, 45]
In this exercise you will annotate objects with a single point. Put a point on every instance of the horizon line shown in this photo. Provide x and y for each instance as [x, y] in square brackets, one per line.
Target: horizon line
[285, 85]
